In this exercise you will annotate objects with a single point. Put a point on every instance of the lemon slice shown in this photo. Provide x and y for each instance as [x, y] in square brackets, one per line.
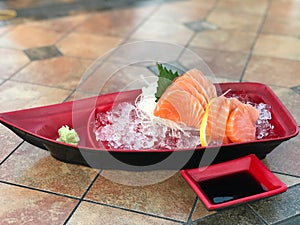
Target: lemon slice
[203, 136]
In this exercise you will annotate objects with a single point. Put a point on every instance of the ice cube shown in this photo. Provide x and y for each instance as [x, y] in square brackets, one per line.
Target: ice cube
[122, 128]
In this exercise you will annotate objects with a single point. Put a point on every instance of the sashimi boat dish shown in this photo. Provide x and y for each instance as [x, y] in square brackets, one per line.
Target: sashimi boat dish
[178, 114]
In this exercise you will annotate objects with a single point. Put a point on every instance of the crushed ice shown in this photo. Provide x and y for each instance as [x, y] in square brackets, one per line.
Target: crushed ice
[264, 127]
[133, 126]
[122, 128]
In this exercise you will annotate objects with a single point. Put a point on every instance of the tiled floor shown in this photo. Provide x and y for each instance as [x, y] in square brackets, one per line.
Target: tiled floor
[43, 57]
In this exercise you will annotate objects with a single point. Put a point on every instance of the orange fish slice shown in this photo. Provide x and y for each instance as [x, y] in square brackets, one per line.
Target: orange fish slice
[203, 85]
[186, 83]
[213, 125]
[185, 99]
[180, 106]
[241, 123]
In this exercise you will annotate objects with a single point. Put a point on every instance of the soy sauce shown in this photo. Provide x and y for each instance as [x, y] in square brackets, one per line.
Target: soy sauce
[231, 187]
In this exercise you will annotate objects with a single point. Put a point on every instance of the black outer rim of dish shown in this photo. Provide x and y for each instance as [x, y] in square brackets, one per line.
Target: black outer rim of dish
[72, 154]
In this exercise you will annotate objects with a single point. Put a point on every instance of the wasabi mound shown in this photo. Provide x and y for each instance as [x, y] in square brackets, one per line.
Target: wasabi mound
[67, 135]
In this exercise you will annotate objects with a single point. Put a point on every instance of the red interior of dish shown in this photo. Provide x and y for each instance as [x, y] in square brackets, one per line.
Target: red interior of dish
[249, 163]
[284, 125]
[46, 120]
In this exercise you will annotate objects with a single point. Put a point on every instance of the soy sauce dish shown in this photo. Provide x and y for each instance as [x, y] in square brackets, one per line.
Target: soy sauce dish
[233, 182]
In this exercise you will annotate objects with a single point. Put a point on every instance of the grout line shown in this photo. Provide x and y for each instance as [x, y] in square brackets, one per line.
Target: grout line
[39, 84]
[69, 95]
[105, 10]
[11, 152]
[283, 221]
[143, 21]
[126, 38]
[196, 32]
[65, 34]
[134, 211]
[285, 174]
[189, 220]
[39, 190]
[122, 208]
[21, 68]
[111, 206]
[106, 56]
[82, 197]
[255, 40]
[257, 214]
[260, 217]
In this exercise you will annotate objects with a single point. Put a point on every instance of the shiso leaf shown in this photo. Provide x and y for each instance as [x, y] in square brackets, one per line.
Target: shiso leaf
[165, 78]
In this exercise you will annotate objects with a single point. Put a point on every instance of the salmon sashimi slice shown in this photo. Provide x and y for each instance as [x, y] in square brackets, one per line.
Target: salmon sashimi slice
[204, 85]
[186, 98]
[180, 106]
[218, 112]
[234, 103]
[241, 124]
[185, 83]
[167, 111]
[228, 120]
[192, 100]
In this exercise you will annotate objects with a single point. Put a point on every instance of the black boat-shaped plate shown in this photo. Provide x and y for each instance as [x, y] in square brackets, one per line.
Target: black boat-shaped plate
[39, 127]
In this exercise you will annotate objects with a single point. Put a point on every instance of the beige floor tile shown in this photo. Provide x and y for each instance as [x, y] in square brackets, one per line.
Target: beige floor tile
[9, 141]
[34, 167]
[273, 71]
[16, 95]
[245, 6]
[222, 63]
[77, 95]
[29, 36]
[235, 20]
[281, 26]
[200, 211]
[87, 45]
[275, 61]
[116, 22]
[197, 4]
[289, 9]
[63, 24]
[184, 13]
[290, 99]
[97, 76]
[126, 78]
[62, 72]
[89, 213]
[13, 61]
[288, 180]
[281, 209]
[172, 198]
[165, 32]
[227, 40]
[286, 47]
[33, 207]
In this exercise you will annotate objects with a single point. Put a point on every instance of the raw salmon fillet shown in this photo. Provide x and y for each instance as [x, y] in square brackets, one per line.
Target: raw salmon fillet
[217, 120]
[241, 124]
[185, 99]
[192, 95]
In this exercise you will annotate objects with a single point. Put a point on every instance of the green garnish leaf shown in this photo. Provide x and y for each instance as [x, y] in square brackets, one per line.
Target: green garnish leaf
[165, 78]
